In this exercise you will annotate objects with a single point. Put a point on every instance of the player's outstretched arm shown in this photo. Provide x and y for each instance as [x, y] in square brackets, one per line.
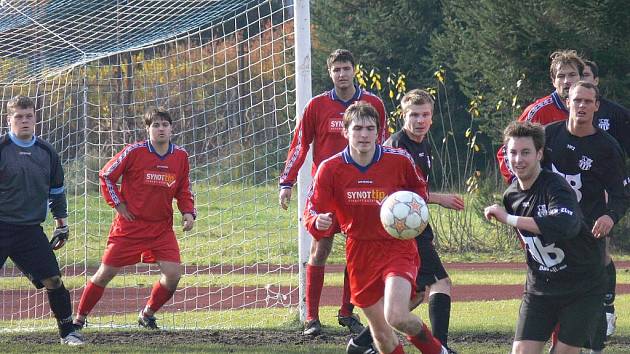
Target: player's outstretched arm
[499, 213]
[449, 201]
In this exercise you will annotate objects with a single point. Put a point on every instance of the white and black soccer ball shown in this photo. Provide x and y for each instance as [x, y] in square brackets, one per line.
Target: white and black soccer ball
[404, 215]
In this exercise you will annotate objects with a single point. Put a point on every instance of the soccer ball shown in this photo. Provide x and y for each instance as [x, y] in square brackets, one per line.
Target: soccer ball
[404, 215]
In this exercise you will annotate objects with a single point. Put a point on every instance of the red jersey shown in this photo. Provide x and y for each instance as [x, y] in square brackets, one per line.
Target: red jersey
[322, 125]
[354, 193]
[545, 110]
[149, 184]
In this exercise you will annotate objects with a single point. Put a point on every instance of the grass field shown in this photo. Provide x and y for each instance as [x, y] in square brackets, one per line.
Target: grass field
[476, 327]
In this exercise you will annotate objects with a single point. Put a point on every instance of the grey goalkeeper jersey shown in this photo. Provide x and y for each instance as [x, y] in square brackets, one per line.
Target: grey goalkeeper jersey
[31, 179]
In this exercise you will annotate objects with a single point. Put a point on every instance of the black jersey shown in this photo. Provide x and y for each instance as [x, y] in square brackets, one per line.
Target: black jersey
[593, 165]
[31, 179]
[615, 120]
[565, 257]
[420, 152]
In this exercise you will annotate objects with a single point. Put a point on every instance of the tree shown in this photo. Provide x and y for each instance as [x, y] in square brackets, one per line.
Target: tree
[385, 35]
[492, 45]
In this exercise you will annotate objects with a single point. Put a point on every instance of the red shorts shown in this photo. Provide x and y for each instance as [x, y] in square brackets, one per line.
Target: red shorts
[123, 251]
[370, 263]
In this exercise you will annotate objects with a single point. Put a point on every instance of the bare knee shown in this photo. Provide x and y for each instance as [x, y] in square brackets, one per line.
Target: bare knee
[320, 251]
[52, 283]
[398, 319]
[104, 275]
[170, 277]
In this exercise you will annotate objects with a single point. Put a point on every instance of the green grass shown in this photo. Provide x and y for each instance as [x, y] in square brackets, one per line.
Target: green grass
[459, 277]
[468, 320]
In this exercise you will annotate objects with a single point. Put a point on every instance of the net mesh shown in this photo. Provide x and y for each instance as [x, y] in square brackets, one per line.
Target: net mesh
[225, 71]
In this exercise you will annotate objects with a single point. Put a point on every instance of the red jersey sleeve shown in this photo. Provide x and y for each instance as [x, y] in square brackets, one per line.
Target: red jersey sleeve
[300, 144]
[319, 200]
[109, 175]
[184, 195]
[384, 135]
[504, 165]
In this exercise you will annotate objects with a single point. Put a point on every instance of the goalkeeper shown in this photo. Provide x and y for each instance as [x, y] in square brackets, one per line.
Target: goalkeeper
[153, 173]
[31, 177]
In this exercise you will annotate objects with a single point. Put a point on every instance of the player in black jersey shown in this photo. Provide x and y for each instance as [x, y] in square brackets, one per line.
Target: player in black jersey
[417, 110]
[566, 274]
[611, 117]
[615, 120]
[32, 181]
[594, 165]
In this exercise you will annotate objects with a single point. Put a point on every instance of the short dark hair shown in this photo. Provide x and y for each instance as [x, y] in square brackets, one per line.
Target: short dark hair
[340, 55]
[525, 130]
[360, 110]
[416, 97]
[565, 57]
[587, 85]
[154, 113]
[594, 68]
[20, 101]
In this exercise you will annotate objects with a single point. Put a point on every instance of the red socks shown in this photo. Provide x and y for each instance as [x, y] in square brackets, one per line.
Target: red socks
[91, 294]
[159, 296]
[346, 305]
[426, 342]
[314, 285]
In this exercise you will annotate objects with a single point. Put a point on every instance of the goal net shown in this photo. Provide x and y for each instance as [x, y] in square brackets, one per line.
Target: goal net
[226, 72]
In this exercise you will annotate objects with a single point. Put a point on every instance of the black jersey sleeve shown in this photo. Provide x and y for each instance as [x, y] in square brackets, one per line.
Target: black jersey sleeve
[563, 219]
[616, 183]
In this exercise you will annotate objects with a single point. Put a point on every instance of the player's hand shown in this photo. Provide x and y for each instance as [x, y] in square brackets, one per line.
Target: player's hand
[122, 210]
[60, 236]
[188, 222]
[284, 197]
[452, 201]
[496, 212]
[602, 226]
[323, 221]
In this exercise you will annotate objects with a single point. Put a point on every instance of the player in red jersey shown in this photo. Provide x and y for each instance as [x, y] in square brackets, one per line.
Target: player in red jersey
[566, 69]
[322, 125]
[154, 172]
[349, 187]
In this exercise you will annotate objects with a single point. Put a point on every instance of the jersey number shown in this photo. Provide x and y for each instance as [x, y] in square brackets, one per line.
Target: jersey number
[575, 181]
[548, 256]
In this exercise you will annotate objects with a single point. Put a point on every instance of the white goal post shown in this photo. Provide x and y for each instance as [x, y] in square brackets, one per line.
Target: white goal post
[233, 73]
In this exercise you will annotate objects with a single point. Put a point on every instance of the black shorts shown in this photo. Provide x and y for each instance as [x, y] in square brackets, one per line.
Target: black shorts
[577, 315]
[28, 248]
[431, 269]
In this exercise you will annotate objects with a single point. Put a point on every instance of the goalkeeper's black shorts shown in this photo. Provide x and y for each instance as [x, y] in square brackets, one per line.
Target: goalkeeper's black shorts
[28, 248]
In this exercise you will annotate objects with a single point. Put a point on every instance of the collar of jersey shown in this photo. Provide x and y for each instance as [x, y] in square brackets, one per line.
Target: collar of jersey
[21, 143]
[357, 95]
[557, 100]
[171, 147]
[348, 159]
